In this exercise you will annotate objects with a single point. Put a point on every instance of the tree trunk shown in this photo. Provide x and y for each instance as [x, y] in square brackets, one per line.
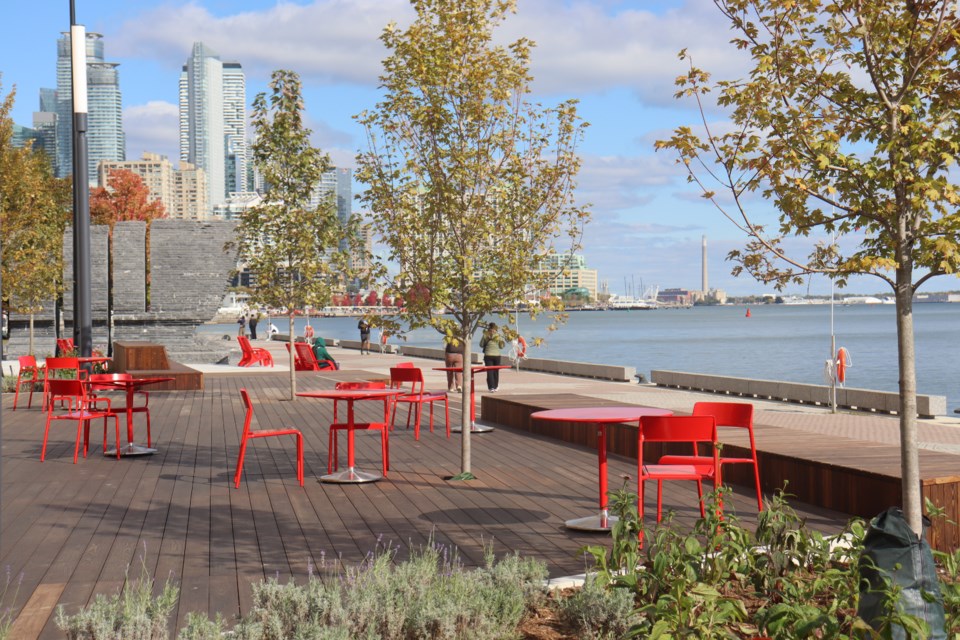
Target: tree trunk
[30, 339]
[293, 369]
[906, 359]
[466, 397]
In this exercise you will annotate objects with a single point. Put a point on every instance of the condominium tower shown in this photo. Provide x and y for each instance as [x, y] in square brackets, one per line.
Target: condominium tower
[213, 121]
[105, 139]
[183, 191]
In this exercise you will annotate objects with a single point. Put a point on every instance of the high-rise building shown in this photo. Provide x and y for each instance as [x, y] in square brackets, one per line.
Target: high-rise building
[181, 191]
[105, 139]
[213, 121]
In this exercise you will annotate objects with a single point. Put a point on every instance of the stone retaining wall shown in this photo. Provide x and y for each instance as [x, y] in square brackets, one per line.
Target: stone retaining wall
[860, 399]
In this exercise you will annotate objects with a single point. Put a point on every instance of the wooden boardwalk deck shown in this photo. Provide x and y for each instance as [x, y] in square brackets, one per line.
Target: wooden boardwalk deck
[72, 531]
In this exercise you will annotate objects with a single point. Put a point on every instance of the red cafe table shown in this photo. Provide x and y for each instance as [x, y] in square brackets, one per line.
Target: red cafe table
[351, 475]
[130, 385]
[474, 427]
[600, 417]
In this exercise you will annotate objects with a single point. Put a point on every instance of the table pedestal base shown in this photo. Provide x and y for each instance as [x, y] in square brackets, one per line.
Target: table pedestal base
[598, 522]
[476, 427]
[131, 450]
[351, 476]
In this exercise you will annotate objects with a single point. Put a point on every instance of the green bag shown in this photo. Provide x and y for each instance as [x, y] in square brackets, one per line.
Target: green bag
[892, 552]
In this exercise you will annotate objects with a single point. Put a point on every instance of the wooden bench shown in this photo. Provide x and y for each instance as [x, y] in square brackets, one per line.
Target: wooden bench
[858, 477]
[149, 360]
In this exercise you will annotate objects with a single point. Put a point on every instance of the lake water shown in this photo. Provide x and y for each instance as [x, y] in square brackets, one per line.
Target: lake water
[777, 342]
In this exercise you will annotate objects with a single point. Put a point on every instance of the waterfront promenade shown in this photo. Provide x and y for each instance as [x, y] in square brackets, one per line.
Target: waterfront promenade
[71, 531]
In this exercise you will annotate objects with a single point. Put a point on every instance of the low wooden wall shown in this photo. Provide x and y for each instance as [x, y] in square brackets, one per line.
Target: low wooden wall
[860, 399]
[149, 360]
[850, 476]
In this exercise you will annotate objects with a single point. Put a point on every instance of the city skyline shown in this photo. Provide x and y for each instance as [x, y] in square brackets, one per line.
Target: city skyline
[618, 57]
[213, 121]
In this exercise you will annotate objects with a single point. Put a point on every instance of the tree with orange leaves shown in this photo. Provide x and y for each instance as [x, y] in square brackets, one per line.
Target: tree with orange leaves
[125, 197]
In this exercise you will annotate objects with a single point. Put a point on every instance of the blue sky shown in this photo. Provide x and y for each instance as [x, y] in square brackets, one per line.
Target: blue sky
[618, 57]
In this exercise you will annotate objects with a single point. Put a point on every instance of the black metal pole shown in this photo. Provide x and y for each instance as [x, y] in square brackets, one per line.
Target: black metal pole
[82, 316]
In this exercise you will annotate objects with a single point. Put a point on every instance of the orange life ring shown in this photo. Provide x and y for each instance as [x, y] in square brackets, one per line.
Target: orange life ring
[843, 361]
[521, 347]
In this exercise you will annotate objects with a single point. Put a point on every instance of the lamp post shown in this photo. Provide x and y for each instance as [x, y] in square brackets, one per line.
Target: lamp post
[82, 317]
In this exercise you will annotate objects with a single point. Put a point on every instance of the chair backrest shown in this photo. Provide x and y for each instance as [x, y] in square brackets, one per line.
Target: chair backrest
[244, 344]
[65, 345]
[248, 404]
[727, 414]
[360, 385]
[306, 354]
[65, 387]
[53, 364]
[27, 363]
[678, 429]
[106, 377]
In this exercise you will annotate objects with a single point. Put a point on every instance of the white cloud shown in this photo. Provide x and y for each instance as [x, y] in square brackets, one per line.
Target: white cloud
[328, 40]
[582, 46]
[152, 127]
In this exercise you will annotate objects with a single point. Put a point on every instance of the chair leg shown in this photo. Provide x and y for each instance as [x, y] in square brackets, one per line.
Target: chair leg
[149, 441]
[446, 415]
[640, 503]
[243, 451]
[16, 396]
[385, 449]
[76, 447]
[300, 458]
[416, 423]
[46, 433]
[332, 461]
[756, 479]
[659, 500]
[431, 417]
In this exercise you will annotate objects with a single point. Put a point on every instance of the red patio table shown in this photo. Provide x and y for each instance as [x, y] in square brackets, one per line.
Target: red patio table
[600, 417]
[130, 386]
[474, 427]
[351, 475]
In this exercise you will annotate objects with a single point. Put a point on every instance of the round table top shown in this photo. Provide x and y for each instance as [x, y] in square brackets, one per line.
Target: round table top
[351, 394]
[597, 415]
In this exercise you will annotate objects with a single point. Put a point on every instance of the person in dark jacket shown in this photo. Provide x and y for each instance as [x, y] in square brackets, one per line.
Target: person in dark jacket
[321, 353]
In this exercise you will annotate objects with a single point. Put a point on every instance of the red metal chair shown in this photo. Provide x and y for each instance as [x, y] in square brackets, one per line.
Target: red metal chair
[252, 355]
[79, 409]
[65, 346]
[28, 365]
[361, 426]
[399, 376]
[249, 434]
[667, 429]
[51, 365]
[307, 359]
[727, 414]
[100, 378]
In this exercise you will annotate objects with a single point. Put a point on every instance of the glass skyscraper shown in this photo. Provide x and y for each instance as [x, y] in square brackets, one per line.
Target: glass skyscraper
[213, 121]
[105, 137]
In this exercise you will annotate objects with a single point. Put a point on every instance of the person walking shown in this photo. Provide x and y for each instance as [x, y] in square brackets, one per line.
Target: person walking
[453, 357]
[491, 343]
[364, 336]
[242, 325]
[254, 319]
